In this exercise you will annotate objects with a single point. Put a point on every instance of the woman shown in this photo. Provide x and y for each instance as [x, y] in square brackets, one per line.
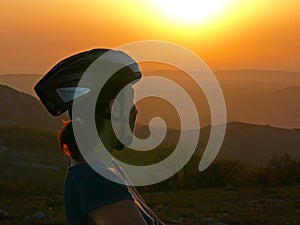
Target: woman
[89, 197]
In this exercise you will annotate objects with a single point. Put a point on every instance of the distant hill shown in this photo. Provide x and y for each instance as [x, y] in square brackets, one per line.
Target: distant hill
[279, 108]
[21, 82]
[257, 144]
[251, 96]
[23, 110]
[253, 144]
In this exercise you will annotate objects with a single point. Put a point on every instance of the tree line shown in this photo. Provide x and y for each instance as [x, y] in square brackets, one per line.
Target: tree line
[280, 171]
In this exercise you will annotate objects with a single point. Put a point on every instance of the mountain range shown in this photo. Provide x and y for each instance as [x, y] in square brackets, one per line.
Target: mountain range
[252, 143]
[251, 96]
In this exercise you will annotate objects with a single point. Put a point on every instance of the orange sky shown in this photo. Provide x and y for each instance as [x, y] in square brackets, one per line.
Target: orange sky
[256, 34]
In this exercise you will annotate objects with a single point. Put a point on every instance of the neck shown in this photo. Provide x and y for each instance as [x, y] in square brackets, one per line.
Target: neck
[74, 162]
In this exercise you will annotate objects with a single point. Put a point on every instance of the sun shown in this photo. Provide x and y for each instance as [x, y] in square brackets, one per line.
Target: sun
[190, 11]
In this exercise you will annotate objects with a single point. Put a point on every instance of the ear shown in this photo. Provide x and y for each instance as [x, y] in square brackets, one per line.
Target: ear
[66, 150]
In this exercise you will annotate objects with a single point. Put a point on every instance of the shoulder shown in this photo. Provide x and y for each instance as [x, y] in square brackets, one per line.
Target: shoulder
[97, 191]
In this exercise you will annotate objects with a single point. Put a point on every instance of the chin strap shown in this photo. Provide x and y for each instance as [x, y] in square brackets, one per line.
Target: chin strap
[136, 196]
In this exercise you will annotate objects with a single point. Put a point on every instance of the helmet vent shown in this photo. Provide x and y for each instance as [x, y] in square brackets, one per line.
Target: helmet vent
[68, 94]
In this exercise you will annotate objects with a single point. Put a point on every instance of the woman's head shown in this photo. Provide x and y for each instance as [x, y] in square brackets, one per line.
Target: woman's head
[59, 87]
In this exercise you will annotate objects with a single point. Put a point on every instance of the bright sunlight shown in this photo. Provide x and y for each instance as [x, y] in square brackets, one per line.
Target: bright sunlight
[191, 11]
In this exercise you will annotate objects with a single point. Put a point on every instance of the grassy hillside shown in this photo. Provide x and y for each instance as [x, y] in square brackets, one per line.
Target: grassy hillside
[32, 171]
[272, 206]
[30, 162]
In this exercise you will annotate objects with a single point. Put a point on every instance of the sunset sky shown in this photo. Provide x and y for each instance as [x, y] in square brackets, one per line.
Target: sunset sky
[229, 34]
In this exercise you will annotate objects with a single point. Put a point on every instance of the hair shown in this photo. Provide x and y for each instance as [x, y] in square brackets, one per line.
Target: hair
[66, 137]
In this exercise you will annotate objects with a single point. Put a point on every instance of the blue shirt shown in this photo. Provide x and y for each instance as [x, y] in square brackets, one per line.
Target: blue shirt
[85, 190]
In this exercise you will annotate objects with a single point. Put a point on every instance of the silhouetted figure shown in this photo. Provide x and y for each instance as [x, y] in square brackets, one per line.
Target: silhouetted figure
[89, 197]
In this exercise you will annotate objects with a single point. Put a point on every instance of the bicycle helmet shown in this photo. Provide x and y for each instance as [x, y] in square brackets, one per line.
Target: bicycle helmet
[59, 87]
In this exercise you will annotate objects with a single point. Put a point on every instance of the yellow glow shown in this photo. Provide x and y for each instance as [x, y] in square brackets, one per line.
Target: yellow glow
[191, 11]
[228, 34]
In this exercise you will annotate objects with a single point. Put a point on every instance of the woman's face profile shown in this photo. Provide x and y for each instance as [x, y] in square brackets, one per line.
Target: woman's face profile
[120, 115]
